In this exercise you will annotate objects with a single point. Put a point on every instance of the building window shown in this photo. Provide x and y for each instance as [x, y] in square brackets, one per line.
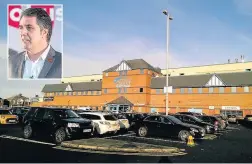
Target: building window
[106, 74]
[182, 90]
[157, 91]
[119, 90]
[141, 90]
[123, 73]
[98, 92]
[233, 89]
[210, 90]
[92, 92]
[125, 90]
[189, 90]
[105, 91]
[221, 89]
[181, 74]
[86, 92]
[200, 90]
[141, 71]
[246, 89]
[173, 90]
[83, 93]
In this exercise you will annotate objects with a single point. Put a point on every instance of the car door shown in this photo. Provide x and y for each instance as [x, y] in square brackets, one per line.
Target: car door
[49, 121]
[38, 123]
[167, 127]
[153, 125]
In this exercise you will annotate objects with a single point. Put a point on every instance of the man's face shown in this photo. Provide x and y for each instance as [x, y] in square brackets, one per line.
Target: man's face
[31, 34]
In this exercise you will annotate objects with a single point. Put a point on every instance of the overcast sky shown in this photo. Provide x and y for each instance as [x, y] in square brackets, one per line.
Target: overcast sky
[99, 34]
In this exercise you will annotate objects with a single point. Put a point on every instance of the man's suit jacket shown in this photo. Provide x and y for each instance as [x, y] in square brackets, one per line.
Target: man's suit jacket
[52, 66]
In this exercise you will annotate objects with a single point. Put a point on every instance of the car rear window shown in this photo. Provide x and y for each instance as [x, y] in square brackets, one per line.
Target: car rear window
[110, 117]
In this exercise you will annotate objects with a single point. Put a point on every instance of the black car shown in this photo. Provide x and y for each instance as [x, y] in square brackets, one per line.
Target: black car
[58, 123]
[209, 128]
[212, 120]
[20, 112]
[134, 117]
[167, 126]
[190, 113]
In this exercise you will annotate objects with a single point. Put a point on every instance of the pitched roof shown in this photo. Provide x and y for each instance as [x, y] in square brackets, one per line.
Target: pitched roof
[82, 86]
[135, 64]
[230, 79]
[121, 100]
[87, 86]
[55, 87]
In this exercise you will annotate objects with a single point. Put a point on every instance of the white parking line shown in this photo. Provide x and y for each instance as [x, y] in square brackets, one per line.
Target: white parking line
[232, 128]
[26, 140]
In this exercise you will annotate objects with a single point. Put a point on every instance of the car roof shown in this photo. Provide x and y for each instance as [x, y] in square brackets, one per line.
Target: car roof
[97, 113]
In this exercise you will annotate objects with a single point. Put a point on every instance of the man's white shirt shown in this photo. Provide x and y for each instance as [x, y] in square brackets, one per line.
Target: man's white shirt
[33, 69]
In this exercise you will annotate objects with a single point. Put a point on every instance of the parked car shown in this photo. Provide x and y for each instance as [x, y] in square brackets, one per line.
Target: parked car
[6, 117]
[123, 121]
[103, 122]
[209, 128]
[59, 123]
[248, 118]
[19, 112]
[191, 113]
[134, 117]
[167, 126]
[212, 120]
[224, 120]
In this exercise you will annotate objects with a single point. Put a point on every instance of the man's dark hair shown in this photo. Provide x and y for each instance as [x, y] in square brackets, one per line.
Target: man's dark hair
[43, 19]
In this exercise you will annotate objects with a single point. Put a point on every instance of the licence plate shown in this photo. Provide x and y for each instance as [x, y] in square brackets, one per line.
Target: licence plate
[12, 120]
[86, 130]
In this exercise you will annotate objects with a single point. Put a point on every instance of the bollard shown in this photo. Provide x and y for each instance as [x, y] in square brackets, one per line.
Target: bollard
[190, 141]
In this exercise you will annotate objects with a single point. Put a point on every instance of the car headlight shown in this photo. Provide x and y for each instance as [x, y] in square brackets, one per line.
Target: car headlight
[71, 125]
[194, 130]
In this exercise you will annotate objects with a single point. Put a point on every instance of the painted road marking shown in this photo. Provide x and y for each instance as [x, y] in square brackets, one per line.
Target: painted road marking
[26, 140]
[232, 128]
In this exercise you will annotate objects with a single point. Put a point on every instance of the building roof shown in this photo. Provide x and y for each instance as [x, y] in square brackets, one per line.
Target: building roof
[82, 86]
[135, 64]
[121, 100]
[87, 86]
[229, 79]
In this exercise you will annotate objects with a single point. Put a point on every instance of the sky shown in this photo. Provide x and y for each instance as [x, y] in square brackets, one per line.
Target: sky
[99, 34]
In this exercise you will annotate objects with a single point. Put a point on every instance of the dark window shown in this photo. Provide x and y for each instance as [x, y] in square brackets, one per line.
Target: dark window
[110, 117]
[248, 70]
[90, 117]
[105, 90]
[181, 74]
[152, 118]
[141, 71]
[40, 113]
[31, 112]
[48, 113]
[141, 89]
[165, 120]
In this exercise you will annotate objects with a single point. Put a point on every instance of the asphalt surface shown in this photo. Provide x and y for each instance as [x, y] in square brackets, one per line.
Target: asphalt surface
[231, 146]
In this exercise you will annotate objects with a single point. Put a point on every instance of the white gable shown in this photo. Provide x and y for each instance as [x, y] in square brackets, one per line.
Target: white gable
[123, 67]
[69, 88]
[215, 81]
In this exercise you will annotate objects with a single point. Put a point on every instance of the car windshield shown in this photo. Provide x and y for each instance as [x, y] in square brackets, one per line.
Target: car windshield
[66, 114]
[196, 118]
[4, 112]
[110, 117]
[174, 119]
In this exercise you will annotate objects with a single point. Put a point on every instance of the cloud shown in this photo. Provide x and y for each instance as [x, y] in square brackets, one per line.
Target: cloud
[243, 6]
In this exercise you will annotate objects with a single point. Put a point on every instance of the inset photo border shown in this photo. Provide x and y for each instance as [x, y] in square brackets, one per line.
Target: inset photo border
[35, 41]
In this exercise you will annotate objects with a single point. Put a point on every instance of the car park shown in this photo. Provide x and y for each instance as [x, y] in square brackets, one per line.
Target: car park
[59, 123]
[104, 122]
[6, 117]
[190, 119]
[167, 126]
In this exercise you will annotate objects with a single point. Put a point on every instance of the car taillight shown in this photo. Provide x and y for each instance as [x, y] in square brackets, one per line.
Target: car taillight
[216, 123]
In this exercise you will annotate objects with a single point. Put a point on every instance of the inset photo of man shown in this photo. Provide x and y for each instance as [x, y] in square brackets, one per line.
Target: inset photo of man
[35, 41]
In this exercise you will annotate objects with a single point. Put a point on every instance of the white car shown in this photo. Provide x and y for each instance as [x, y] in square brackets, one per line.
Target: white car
[103, 122]
[124, 122]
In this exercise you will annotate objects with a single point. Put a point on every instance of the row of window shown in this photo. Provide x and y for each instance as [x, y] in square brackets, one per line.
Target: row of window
[210, 90]
[74, 93]
[125, 72]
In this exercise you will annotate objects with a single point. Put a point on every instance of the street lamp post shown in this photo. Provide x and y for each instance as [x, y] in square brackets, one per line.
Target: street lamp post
[165, 12]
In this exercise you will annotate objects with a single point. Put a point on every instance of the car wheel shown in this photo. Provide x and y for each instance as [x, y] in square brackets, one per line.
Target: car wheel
[59, 136]
[27, 132]
[183, 135]
[142, 131]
